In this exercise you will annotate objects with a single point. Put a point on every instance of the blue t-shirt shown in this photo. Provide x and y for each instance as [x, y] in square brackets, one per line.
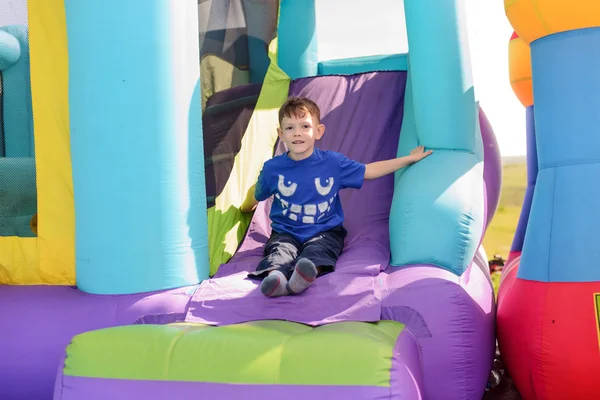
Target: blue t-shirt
[306, 192]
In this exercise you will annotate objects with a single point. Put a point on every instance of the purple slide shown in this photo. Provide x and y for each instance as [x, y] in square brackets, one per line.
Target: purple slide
[451, 316]
[363, 116]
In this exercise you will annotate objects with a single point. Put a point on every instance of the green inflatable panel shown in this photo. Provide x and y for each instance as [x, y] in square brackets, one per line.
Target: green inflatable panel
[268, 352]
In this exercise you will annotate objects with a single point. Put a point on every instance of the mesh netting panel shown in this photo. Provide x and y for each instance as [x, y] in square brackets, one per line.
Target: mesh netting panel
[234, 38]
[2, 150]
[18, 197]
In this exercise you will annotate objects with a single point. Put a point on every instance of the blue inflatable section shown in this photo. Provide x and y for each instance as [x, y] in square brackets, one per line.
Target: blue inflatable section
[137, 149]
[437, 213]
[10, 49]
[297, 38]
[444, 98]
[16, 92]
[358, 65]
[567, 121]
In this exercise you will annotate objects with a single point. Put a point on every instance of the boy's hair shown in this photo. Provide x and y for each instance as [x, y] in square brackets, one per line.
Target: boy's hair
[298, 107]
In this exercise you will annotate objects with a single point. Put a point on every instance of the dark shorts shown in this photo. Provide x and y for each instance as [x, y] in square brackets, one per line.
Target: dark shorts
[282, 250]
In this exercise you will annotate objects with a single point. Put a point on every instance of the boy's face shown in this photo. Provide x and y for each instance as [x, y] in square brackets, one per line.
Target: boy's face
[299, 135]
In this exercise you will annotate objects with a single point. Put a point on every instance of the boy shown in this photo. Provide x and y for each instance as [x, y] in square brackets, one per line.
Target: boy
[306, 216]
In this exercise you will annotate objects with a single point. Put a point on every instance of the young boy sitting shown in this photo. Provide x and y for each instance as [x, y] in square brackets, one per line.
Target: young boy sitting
[306, 216]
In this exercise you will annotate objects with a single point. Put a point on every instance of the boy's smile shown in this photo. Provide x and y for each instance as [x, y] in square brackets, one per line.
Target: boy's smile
[299, 133]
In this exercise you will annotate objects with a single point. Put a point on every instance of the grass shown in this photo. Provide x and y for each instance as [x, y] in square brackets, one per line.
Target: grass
[501, 231]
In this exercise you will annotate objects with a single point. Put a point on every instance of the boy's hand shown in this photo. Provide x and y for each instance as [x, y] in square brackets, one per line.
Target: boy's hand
[250, 202]
[419, 153]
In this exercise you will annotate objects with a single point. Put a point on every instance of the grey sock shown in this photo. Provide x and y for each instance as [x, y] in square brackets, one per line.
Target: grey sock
[274, 285]
[304, 275]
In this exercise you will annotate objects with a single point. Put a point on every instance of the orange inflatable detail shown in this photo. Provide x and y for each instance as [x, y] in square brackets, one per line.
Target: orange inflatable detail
[519, 70]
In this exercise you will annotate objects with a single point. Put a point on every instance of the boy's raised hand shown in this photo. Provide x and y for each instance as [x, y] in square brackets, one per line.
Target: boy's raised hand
[419, 153]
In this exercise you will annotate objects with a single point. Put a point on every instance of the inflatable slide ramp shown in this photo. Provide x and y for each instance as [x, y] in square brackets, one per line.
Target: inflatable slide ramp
[252, 360]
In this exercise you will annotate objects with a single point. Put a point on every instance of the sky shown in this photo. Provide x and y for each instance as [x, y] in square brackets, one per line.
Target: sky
[374, 27]
[13, 12]
[358, 30]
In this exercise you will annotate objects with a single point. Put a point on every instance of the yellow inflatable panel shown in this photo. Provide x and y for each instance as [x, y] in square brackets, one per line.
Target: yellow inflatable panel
[519, 70]
[533, 19]
[49, 258]
[19, 261]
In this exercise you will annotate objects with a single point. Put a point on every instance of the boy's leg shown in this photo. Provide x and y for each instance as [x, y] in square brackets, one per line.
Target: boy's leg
[317, 257]
[277, 265]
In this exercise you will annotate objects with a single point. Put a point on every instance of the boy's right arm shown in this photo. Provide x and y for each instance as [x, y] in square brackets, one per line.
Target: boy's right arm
[250, 203]
[253, 197]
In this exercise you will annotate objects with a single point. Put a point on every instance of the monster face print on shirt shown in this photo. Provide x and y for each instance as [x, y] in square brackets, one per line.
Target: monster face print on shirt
[305, 192]
[306, 213]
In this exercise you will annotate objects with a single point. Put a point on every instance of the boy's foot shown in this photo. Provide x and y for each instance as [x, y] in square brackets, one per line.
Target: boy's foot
[274, 285]
[304, 275]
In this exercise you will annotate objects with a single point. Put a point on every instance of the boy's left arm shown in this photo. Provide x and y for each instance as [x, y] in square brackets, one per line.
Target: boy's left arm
[381, 168]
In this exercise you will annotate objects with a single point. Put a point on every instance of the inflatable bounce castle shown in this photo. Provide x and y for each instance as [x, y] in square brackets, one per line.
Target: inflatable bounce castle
[131, 133]
[549, 296]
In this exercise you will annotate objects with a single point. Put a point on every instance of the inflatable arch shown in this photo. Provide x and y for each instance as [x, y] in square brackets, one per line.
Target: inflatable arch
[151, 122]
[549, 295]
